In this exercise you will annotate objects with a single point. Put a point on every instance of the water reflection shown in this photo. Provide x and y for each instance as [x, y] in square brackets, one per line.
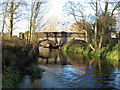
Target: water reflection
[51, 56]
[71, 71]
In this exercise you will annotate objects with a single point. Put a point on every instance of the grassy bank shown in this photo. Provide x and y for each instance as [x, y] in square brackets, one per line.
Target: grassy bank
[110, 51]
[19, 58]
[76, 47]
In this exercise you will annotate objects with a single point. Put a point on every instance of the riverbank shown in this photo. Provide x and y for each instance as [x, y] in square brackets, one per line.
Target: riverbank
[110, 51]
[19, 59]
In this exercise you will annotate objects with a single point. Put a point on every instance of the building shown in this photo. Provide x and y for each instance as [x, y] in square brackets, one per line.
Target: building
[115, 34]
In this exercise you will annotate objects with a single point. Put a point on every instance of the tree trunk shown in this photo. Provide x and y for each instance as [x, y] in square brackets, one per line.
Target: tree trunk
[86, 36]
[101, 38]
[11, 19]
[11, 13]
[4, 16]
[31, 23]
[106, 5]
[34, 14]
[33, 32]
[29, 35]
[95, 32]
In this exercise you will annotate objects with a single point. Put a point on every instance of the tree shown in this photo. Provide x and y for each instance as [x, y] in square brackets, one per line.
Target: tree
[13, 7]
[103, 18]
[52, 24]
[35, 8]
[76, 10]
[14, 11]
[96, 23]
[37, 14]
[4, 16]
[105, 24]
[83, 27]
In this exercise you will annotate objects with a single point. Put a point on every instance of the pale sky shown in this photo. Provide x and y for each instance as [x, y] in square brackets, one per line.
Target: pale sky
[56, 10]
[57, 6]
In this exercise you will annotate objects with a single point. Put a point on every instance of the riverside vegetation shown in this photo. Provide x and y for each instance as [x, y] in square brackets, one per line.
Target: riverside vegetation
[109, 51]
[18, 60]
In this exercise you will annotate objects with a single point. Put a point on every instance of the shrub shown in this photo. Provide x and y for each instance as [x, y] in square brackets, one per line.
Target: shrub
[114, 53]
[87, 50]
[35, 71]
[75, 46]
[16, 59]
[65, 47]
[11, 76]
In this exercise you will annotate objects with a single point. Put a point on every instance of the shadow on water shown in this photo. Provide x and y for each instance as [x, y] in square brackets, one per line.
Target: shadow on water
[75, 71]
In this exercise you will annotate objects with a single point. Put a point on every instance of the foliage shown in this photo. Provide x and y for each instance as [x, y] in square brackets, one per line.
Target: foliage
[105, 26]
[14, 41]
[65, 47]
[105, 20]
[15, 61]
[110, 51]
[97, 54]
[87, 50]
[114, 53]
[11, 76]
[35, 71]
[113, 62]
[76, 47]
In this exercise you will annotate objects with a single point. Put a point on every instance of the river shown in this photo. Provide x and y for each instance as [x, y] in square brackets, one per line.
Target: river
[73, 71]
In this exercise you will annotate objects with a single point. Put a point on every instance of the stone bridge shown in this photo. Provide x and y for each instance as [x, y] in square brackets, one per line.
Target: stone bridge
[57, 37]
[60, 37]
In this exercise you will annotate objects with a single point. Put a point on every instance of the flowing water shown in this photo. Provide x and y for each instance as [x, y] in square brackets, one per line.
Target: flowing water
[73, 71]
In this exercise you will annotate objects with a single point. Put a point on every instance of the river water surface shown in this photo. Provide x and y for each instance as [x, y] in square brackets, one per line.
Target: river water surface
[73, 71]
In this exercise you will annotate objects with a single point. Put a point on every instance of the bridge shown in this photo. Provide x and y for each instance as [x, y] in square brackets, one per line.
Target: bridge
[57, 37]
[61, 37]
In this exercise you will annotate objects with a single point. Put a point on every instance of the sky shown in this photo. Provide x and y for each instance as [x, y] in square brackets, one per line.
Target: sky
[57, 6]
[55, 10]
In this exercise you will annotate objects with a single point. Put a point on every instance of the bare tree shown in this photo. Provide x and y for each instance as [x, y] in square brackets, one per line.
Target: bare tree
[75, 9]
[37, 14]
[96, 20]
[12, 14]
[4, 16]
[52, 24]
[12, 9]
[104, 22]
[35, 8]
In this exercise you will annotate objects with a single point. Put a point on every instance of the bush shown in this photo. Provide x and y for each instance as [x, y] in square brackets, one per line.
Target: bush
[109, 51]
[35, 71]
[75, 47]
[114, 53]
[16, 59]
[87, 50]
[65, 47]
[11, 76]
[13, 42]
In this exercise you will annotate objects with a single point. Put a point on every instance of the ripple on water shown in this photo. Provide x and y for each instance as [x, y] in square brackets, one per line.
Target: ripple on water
[71, 76]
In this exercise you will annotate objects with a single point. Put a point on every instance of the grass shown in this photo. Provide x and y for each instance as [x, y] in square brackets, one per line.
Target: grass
[111, 51]
[114, 53]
